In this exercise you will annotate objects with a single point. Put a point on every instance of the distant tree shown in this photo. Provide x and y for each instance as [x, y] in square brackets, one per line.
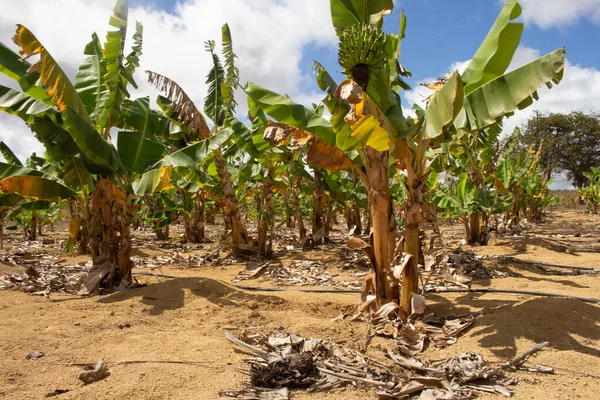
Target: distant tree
[571, 143]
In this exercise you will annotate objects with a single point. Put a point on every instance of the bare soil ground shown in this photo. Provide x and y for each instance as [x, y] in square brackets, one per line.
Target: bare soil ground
[185, 319]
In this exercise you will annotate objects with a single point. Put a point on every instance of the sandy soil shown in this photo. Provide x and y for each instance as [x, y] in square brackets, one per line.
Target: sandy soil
[185, 319]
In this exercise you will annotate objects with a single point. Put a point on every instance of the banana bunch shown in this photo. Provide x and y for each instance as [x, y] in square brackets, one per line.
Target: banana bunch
[361, 44]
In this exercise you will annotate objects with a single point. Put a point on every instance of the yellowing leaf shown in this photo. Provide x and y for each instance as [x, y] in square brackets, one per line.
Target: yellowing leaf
[55, 81]
[364, 117]
[154, 181]
[35, 187]
[327, 156]
[368, 131]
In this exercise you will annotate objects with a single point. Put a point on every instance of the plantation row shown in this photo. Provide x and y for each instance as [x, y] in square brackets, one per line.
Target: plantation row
[184, 163]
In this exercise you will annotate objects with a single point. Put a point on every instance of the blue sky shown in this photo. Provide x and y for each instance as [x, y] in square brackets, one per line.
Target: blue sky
[278, 40]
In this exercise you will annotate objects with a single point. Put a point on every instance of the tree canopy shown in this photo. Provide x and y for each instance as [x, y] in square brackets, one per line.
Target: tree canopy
[571, 143]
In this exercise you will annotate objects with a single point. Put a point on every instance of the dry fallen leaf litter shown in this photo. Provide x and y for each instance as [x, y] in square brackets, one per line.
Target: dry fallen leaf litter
[285, 361]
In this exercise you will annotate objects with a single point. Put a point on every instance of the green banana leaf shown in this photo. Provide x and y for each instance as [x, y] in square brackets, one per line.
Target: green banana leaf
[116, 75]
[337, 108]
[90, 142]
[22, 105]
[194, 154]
[497, 50]
[132, 61]
[286, 111]
[213, 102]
[58, 142]
[444, 107]
[232, 73]
[514, 90]
[89, 81]
[13, 66]
[8, 154]
[76, 175]
[345, 13]
[10, 200]
[138, 150]
[36, 205]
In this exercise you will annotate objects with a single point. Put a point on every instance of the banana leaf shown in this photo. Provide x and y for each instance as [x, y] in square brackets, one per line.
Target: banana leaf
[89, 81]
[54, 80]
[153, 181]
[138, 150]
[10, 200]
[286, 111]
[90, 142]
[444, 107]
[514, 90]
[22, 105]
[36, 205]
[13, 66]
[8, 154]
[76, 175]
[35, 187]
[497, 50]
[345, 13]
[116, 75]
[194, 154]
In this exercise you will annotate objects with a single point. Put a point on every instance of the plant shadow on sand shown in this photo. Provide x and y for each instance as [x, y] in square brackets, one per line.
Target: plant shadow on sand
[567, 324]
[527, 272]
[171, 294]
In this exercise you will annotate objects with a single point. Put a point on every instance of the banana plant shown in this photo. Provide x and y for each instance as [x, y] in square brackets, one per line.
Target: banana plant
[25, 190]
[367, 131]
[537, 194]
[219, 106]
[74, 120]
[512, 172]
[462, 199]
[592, 191]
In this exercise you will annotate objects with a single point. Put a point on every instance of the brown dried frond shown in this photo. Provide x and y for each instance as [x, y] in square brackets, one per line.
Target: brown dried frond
[189, 115]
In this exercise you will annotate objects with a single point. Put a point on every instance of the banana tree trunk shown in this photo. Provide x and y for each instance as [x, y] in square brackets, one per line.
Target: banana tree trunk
[194, 221]
[299, 220]
[209, 215]
[240, 236]
[78, 226]
[317, 216]
[162, 233]
[2, 215]
[33, 227]
[412, 246]
[349, 218]
[357, 220]
[265, 215]
[412, 240]
[330, 219]
[289, 210]
[474, 233]
[110, 241]
[367, 230]
[380, 203]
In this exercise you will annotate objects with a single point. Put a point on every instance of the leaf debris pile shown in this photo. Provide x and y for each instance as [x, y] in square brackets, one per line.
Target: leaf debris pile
[456, 270]
[298, 273]
[43, 274]
[285, 361]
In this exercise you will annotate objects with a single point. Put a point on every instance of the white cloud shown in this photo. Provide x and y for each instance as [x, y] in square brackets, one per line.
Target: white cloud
[268, 37]
[557, 13]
